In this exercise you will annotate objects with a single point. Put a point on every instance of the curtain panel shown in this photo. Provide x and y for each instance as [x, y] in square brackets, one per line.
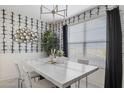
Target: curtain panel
[113, 71]
[65, 40]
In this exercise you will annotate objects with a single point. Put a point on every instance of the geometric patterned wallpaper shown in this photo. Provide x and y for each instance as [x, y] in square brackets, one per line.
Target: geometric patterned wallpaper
[58, 29]
[10, 23]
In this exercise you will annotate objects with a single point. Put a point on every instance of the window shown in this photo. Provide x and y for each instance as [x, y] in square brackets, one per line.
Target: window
[75, 40]
[88, 40]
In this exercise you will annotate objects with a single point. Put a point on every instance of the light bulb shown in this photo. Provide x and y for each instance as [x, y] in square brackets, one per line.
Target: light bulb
[24, 34]
[17, 31]
[21, 31]
[16, 40]
[25, 41]
[20, 34]
[29, 33]
[22, 37]
[24, 29]
[27, 37]
[35, 39]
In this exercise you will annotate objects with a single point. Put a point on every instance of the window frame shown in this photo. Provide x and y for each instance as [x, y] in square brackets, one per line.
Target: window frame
[84, 43]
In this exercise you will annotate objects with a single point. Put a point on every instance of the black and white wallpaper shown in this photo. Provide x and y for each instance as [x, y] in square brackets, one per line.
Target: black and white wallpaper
[10, 23]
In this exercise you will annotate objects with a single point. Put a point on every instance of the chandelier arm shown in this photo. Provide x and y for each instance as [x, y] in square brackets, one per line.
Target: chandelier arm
[46, 13]
[61, 10]
[54, 19]
[40, 11]
[54, 11]
[64, 14]
[46, 8]
[55, 7]
[66, 10]
[59, 14]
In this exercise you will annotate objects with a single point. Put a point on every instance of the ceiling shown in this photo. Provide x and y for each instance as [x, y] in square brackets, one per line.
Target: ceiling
[34, 10]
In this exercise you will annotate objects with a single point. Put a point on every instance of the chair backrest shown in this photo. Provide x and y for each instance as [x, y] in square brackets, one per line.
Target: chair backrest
[83, 61]
[18, 70]
[24, 75]
[27, 78]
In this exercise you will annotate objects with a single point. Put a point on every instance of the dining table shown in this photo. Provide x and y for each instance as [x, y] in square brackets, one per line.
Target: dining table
[61, 74]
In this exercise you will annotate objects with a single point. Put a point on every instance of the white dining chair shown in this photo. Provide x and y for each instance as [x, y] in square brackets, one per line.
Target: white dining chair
[28, 83]
[32, 73]
[86, 62]
[20, 73]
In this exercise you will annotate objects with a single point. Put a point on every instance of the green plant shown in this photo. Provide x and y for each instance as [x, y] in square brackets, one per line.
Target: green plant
[60, 53]
[49, 41]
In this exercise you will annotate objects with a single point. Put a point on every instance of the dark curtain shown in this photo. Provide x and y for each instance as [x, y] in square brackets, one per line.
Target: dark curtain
[113, 71]
[65, 40]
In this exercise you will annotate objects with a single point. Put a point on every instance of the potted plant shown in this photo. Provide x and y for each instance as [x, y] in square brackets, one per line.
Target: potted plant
[60, 53]
[49, 42]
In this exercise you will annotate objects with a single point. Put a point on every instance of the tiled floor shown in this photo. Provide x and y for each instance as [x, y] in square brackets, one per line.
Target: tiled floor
[13, 84]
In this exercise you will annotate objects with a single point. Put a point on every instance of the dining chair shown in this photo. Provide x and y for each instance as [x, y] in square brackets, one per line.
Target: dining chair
[28, 83]
[83, 61]
[32, 73]
[20, 73]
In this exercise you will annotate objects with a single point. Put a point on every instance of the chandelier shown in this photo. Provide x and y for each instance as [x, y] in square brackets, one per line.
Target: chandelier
[25, 35]
[55, 11]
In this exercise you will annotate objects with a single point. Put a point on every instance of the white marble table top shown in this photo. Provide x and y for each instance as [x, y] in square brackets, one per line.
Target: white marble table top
[61, 74]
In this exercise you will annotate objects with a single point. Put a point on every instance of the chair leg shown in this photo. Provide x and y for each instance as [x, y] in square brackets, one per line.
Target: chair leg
[18, 83]
[21, 83]
[86, 82]
[34, 79]
[75, 84]
[79, 84]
